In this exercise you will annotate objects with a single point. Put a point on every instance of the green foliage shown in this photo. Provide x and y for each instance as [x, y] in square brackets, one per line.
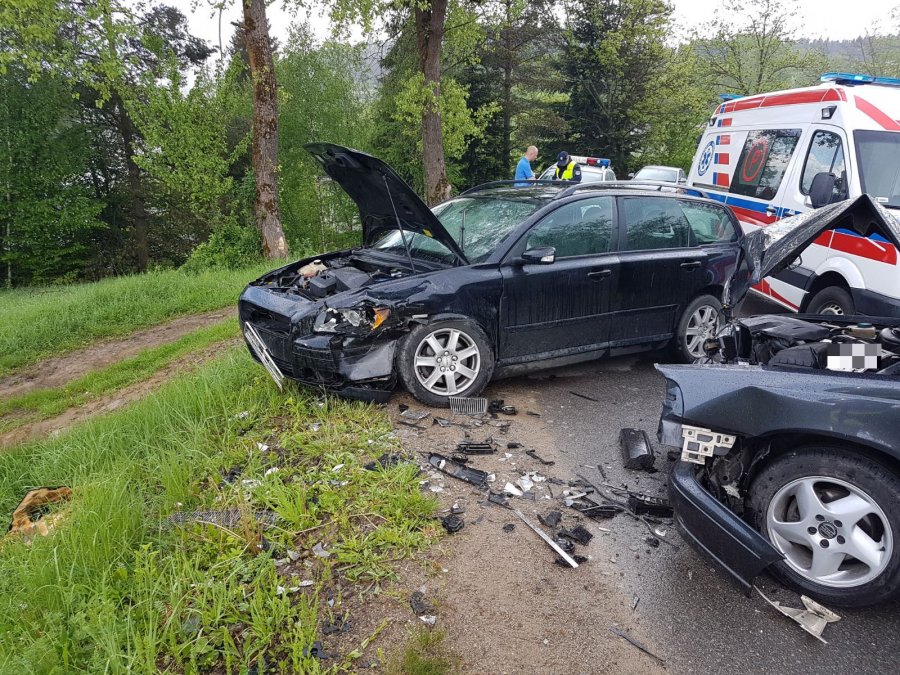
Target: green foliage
[115, 587]
[39, 322]
[425, 654]
[231, 247]
[615, 51]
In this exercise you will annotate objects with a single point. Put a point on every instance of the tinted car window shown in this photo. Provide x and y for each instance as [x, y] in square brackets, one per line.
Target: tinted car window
[826, 155]
[578, 228]
[878, 155]
[654, 222]
[709, 224]
[763, 162]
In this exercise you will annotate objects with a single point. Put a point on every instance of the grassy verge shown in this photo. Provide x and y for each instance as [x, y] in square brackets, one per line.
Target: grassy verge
[40, 322]
[45, 403]
[113, 588]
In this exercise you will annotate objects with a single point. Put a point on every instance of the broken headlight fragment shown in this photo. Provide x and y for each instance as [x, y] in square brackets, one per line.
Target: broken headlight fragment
[351, 321]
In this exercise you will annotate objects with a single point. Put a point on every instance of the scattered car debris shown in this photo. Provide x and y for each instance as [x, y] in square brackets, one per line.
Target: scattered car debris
[636, 449]
[473, 448]
[551, 520]
[445, 465]
[592, 509]
[525, 483]
[813, 619]
[419, 604]
[441, 422]
[652, 542]
[565, 544]
[430, 619]
[577, 533]
[509, 527]
[386, 461]
[229, 518]
[459, 457]
[585, 397]
[513, 446]
[461, 405]
[320, 551]
[497, 406]
[497, 498]
[533, 414]
[511, 489]
[452, 523]
[580, 559]
[457, 509]
[30, 518]
[316, 650]
[543, 535]
[335, 627]
[649, 505]
[625, 636]
[414, 414]
[534, 455]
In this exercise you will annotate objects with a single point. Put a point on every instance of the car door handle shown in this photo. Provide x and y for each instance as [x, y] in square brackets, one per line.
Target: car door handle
[771, 210]
[692, 265]
[599, 274]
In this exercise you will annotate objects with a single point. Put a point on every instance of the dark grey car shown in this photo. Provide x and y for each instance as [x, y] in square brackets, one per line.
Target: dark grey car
[790, 434]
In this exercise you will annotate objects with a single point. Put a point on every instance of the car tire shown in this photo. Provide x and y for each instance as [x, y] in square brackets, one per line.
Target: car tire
[467, 359]
[831, 300]
[688, 344]
[828, 494]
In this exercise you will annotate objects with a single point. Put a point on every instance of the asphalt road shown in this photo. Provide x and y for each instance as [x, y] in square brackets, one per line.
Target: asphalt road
[699, 620]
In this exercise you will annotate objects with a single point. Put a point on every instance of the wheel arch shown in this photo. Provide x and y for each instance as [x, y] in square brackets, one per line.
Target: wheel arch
[831, 277]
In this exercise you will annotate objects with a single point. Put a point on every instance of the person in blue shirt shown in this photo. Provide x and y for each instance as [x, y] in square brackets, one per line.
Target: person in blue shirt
[523, 168]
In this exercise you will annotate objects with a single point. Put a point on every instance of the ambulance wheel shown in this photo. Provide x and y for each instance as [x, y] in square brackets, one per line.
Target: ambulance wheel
[831, 300]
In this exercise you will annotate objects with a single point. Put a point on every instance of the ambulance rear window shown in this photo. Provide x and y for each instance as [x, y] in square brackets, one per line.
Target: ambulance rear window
[763, 161]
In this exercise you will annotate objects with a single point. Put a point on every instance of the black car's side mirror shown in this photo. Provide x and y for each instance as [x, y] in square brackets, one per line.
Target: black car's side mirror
[822, 189]
[542, 255]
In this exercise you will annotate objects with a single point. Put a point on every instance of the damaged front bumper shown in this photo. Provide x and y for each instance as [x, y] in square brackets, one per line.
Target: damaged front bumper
[714, 530]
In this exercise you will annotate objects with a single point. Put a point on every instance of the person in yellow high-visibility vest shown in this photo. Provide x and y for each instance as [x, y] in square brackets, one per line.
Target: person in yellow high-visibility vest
[567, 168]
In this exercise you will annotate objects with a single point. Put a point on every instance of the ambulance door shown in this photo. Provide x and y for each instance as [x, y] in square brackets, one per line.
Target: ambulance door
[757, 186]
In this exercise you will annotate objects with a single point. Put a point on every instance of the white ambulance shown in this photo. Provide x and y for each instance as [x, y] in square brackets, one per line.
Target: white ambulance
[777, 155]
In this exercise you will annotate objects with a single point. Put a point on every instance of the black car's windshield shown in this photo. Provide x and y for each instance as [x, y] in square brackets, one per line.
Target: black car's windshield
[878, 154]
[477, 224]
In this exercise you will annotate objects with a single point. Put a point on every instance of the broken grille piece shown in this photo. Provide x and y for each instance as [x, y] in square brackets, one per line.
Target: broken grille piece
[461, 405]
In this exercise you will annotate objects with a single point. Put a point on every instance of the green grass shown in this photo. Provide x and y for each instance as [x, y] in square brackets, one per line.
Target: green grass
[424, 654]
[112, 589]
[40, 322]
[42, 404]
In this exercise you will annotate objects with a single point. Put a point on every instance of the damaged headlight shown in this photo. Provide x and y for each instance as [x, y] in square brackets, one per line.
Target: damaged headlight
[354, 321]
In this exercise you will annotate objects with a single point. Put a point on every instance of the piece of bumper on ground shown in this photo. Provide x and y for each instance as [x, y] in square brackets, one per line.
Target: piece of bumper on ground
[714, 530]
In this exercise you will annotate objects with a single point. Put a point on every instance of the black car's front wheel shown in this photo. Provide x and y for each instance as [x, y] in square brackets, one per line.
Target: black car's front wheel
[835, 516]
[445, 358]
[699, 321]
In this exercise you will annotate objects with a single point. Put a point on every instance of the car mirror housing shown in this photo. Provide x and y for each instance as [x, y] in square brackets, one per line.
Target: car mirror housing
[822, 189]
[543, 255]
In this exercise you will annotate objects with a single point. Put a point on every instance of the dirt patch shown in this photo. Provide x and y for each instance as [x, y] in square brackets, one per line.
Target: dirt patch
[506, 605]
[114, 400]
[58, 370]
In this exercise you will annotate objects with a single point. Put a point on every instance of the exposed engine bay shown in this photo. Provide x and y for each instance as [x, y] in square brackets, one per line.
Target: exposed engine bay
[839, 344]
[321, 278]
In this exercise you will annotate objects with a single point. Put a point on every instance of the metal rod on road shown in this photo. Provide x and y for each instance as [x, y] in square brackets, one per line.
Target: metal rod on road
[543, 535]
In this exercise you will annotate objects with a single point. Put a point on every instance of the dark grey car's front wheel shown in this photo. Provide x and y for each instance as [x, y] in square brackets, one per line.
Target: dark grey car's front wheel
[445, 358]
[835, 516]
[699, 321]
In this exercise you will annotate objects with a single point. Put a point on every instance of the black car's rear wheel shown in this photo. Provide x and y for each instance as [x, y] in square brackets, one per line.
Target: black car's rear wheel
[835, 516]
[699, 321]
[445, 358]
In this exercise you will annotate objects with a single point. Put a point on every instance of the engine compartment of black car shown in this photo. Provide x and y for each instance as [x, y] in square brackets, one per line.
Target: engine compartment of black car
[806, 342]
[321, 278]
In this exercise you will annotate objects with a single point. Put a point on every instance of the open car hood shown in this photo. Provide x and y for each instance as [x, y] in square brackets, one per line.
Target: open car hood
[382, 196]
[771, 249]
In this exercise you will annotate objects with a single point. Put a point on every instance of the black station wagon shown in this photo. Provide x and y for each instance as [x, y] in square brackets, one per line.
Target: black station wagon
[506, 277]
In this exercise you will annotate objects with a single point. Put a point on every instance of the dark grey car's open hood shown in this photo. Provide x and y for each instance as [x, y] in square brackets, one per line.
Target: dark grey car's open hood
[771, 249]
[381, 195]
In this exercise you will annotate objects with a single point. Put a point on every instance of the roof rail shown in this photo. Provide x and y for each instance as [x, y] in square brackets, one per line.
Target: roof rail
[656, 185]
[521, 182]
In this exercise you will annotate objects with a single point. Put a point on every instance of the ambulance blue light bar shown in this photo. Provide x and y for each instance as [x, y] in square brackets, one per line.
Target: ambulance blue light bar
[729, 97]
[859, 78]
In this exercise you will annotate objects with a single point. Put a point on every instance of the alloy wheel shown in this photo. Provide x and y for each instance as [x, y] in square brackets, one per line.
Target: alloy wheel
[830, 531]
[447, 361]
[703, 324]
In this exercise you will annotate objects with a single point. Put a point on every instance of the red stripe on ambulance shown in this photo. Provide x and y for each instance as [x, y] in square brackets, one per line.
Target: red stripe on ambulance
[879, 116]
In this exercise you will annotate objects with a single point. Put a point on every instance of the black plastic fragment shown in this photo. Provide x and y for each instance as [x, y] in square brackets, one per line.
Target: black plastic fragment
[580, 559]
[456, 470]
[565, 544]
[534, 455]
[509, 527]
[651, 506]
[419, 604]
[652, 542]
[513, 446]
[497, 498]
[316, 650]
[459, 457]
[335, 627]
[592, 509]
[473, 448]
[577, 533]
[636, 449]
[585, 397]
[384, 462]
[452, 523]
[551, 519]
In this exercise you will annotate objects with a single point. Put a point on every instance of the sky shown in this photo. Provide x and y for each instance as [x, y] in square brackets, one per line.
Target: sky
[834, 19]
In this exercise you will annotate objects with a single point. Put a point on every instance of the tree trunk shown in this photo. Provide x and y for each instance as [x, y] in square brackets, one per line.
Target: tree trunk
[135, 187]
[429, 36]
[265, 128]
